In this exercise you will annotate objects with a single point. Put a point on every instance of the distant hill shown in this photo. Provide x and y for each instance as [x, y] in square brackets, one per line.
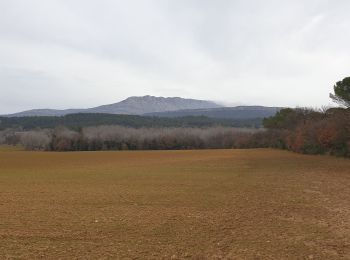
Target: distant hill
[239, 112]
[130, 106]
[45, 112]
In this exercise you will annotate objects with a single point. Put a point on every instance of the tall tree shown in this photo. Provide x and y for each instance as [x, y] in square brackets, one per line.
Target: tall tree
[342, 92]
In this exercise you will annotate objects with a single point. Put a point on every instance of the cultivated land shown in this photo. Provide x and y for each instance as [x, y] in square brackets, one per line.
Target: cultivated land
[232, 204]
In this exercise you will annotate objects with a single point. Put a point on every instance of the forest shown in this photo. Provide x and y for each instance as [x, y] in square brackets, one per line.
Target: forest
[77, 121]
[302, 130]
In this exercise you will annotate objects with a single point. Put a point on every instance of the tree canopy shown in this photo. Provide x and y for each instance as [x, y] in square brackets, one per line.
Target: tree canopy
[342, 92]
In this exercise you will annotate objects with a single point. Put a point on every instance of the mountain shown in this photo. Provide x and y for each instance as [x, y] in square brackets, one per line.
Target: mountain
[239, 112]
[46, 112]
[150, 104]
[130, 106]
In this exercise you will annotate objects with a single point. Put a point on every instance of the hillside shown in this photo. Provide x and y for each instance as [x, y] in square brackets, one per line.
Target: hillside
[149, 104]
[130, 106]
[239, 112]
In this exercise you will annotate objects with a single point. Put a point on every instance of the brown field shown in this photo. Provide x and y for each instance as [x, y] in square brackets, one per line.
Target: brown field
[231, 204]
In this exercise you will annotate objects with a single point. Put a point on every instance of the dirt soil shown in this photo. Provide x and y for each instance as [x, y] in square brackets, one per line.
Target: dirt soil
[207, 204]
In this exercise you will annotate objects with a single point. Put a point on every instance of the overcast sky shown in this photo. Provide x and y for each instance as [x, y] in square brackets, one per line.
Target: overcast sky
[84, 53]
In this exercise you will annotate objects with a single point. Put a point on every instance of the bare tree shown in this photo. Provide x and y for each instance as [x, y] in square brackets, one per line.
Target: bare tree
[35, 140]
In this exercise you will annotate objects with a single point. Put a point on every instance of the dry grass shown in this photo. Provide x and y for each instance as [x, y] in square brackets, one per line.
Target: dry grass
[9, 148]
[232, 204]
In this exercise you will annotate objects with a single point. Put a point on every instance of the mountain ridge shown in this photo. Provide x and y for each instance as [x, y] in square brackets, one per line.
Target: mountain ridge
[135, 105]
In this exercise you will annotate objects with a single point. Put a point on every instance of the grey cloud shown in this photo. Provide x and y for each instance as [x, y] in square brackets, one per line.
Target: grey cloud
[82, 53]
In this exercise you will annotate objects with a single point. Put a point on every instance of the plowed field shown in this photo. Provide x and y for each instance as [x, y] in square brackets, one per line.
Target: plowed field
[231, 204]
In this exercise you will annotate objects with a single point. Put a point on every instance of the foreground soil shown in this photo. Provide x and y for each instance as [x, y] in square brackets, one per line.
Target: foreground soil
[230, 204]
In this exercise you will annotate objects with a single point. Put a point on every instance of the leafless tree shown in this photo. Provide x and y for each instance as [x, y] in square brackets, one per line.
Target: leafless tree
[35, 140]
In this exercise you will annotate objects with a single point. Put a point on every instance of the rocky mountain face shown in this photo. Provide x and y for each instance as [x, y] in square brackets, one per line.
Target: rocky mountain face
[150, 104]
[131, 106]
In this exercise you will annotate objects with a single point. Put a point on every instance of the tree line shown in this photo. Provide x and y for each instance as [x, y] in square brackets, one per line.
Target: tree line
[310, 131]
[303, 130]
[124, 138]
[77, 121]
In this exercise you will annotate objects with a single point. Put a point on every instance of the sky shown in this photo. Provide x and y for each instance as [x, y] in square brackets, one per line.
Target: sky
[84, 53]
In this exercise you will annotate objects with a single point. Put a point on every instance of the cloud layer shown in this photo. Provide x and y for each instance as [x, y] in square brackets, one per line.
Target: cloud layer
[81, 53]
